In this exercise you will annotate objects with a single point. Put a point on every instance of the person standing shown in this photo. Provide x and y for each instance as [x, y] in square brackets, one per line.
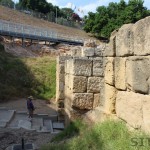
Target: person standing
[30, 107]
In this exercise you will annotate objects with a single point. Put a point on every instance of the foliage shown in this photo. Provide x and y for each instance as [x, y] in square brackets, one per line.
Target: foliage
[73, 129]
[20, 77]
[109, 135]
[76, 17]
[111, 17]
[44, 7]
[8, 3]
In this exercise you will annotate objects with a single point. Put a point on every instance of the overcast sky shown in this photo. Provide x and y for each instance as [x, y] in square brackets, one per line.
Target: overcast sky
[86, 5]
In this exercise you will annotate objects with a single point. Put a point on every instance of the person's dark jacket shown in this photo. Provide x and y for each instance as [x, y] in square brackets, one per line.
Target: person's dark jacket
[30, 104]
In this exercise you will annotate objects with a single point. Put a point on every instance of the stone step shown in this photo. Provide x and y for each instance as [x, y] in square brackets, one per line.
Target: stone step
[3, 124]
[58, 125]
[52, 118]
[16, 118]
[47, 125]
[6, 115]
[37, 123]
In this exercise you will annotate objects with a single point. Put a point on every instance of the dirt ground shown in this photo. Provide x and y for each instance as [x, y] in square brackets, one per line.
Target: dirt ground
[9, 137]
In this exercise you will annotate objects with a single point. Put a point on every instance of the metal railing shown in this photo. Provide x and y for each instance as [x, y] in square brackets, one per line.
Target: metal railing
[17, 28]
[51, 17]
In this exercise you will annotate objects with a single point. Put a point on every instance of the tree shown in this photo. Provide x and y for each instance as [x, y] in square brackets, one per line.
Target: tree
[107, 19]
[8, 3]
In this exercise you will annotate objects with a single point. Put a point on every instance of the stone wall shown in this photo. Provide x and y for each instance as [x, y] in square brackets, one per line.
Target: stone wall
[110, 79]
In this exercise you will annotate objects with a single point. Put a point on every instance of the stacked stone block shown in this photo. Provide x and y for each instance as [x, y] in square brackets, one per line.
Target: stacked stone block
[113, 78]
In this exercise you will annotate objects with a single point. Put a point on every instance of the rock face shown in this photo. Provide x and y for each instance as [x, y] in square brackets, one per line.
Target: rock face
[129, 108]
[114, 77]
[120, 73]
[138, 74]
[79, 84]
[83, 101]
[109, 70]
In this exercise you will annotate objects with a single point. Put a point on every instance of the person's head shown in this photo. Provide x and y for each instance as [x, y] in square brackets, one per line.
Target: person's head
[30, 97]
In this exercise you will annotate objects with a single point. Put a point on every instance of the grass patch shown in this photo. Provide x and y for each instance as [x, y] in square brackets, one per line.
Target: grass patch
[21, 77]
[73, 129]
[109, 135]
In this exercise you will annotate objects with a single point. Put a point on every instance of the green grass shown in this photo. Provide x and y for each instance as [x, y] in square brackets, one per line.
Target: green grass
[21, 77]
[109, 135]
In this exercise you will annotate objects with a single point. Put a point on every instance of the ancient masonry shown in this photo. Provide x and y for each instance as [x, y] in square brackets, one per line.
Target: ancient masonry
[110, 79]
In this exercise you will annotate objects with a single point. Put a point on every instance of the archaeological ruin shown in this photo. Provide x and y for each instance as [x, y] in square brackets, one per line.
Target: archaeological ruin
[108, 80]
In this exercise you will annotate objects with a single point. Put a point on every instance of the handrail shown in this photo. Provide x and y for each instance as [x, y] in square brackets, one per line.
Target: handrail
[34, 31]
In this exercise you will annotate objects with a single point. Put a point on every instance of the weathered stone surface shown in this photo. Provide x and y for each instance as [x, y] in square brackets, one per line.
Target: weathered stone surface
[141, 32]
[89, 43]
[97, 115]
[99, 51]
[109, 70]
[60, 68]
[107, 97]
[124, 41]
[87, 51]
[98, 67]
[120, 73]
[146, 113]
[76, 51]
[94, 84]
[80, 67]
[68, 66]
[105, 50]
[110, 48]
[138, 74]
[61, 59]
[60, 78]
[96, 100]
[60, 95]
[83, 100]
[79, 84]
[129, 107]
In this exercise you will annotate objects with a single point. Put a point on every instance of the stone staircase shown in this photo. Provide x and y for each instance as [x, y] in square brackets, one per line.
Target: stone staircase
[40, 122]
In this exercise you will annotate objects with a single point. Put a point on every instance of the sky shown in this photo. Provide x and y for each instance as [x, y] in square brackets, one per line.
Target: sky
[82, 7]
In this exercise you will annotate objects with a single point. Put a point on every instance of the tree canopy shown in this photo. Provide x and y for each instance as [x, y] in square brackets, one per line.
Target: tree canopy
[8, 3]
[111, 17]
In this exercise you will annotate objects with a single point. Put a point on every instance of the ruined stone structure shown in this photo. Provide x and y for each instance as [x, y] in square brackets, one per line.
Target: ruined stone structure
[110, 79]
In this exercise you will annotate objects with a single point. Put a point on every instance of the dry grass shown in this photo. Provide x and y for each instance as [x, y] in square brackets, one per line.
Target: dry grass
[18, 17]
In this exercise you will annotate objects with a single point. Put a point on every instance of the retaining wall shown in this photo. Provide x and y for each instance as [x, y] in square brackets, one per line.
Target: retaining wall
[110, 79]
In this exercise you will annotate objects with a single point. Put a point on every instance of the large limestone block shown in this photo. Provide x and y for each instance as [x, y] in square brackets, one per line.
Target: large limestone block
[120, 73]
[89, 43]
[80, 67]
[109, 70]
[88, 51]
[68, 66]
[60, 95]
[76, 51]
[83, 100]
[94, 84]
[98, 67]
[61, 68]
[96, 102]
[61, 59]
[107, 97]
[129, 108]
[110, 48]
[79, 84]
[105, 49]
[138, 74]
[141, 32]
[146, 113]
[60, 78]
[124, 41]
